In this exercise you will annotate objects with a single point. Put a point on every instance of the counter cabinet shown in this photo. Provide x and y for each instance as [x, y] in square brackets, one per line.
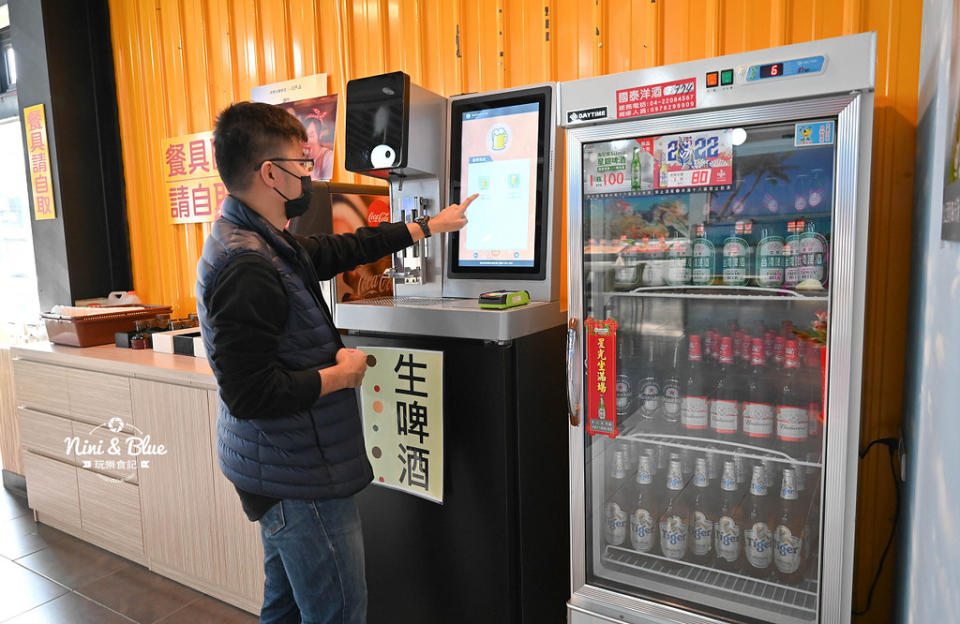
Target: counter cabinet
[176, 514]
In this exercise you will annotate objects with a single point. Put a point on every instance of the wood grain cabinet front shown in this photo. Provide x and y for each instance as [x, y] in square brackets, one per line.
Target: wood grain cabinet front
[110, 513]
[46, 434]
[176, 488]
[41, 386]
[239, 547]
[52, 489]
[96, 398]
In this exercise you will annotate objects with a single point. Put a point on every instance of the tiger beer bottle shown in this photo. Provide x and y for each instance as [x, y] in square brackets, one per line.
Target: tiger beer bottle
[728, 529]
[615, 509]
[675, 520]
[788, 537]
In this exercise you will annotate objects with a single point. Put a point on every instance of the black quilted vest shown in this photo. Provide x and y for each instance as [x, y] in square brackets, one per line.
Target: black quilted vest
[315, 453]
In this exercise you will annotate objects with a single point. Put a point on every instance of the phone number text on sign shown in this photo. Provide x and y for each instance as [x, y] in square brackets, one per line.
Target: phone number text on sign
[653, 99]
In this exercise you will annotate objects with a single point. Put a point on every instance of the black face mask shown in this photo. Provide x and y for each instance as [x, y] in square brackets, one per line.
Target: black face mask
[298, 205]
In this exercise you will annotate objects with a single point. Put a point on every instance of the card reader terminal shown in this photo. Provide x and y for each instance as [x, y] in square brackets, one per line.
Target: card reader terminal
[503, 299]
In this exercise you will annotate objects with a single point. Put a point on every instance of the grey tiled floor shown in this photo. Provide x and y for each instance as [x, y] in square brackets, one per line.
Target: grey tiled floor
[49, 577]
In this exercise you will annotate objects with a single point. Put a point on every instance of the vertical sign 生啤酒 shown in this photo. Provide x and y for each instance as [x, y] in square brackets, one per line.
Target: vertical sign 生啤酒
[402, 406]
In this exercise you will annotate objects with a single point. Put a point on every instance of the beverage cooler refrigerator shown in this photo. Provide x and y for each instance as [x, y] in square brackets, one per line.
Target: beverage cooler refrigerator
[718, 217]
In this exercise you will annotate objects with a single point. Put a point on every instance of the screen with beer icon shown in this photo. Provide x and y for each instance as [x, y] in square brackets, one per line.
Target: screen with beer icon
[499, 149]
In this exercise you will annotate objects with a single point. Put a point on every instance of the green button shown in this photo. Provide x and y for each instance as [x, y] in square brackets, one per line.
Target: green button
[726, 77]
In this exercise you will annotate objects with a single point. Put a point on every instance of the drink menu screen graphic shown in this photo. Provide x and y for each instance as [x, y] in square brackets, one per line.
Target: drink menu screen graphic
[499, 163]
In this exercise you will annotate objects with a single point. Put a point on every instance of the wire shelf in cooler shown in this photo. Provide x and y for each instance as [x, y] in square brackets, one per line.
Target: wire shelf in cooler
[733, 586]
[724, 292]
[746, 451]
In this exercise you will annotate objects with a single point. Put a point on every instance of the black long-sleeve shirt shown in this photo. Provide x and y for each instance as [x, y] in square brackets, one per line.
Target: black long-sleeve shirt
[248, 309]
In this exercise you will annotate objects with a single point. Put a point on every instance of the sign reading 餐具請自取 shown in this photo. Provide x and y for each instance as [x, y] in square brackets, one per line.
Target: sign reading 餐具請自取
[194, 190]
[38, 152]
[402, 406]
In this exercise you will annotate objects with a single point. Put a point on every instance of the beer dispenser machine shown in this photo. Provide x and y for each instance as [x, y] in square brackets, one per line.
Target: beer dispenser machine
[496, 548]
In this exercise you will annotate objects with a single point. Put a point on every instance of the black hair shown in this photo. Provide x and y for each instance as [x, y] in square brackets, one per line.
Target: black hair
[246, 133]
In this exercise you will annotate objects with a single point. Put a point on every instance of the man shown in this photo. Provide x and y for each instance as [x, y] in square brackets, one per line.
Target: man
[289, 433]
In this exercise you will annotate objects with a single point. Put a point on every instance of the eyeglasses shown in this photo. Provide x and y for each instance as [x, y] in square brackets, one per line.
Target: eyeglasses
[306, 163]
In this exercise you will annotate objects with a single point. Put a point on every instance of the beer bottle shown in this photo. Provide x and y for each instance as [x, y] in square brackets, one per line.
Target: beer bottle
[751, 244]
[675, 520]
[788, 537]
[643, 531]
[758, 520]
[813, 254]
[815, 410]
[628, 449]
[650, 391]
[736, 250]
[724, 397]
[791, 255]
[702, 517]
[635, 174]
[745, 340]
[693, 404]
[679, 260]
[626, 390]
[729, 524]
[615, 509]
[769, 337]
[704, 270]
[758, 408]
[769, 257]
[670, 402]
[792, 406]
[779, 347]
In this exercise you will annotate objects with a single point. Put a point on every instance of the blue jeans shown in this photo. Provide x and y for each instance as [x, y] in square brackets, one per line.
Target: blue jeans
[313, 559]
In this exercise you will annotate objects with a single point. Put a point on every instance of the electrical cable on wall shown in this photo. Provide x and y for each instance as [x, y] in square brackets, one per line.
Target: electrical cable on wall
[892, 445]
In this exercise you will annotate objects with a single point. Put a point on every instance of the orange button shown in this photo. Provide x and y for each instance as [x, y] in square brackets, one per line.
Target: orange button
[712, 79]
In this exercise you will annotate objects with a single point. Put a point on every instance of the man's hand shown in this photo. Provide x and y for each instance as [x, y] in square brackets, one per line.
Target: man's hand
[347, 373]
[354, 365]
[451, 218]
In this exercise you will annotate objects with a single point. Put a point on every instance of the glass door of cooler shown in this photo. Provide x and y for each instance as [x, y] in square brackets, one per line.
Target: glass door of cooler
[706, 261]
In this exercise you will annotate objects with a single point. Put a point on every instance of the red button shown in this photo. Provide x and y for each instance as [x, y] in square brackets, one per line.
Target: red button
[712, 79]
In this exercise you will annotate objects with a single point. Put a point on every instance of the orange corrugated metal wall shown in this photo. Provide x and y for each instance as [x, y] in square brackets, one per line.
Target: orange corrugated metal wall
[180, 61]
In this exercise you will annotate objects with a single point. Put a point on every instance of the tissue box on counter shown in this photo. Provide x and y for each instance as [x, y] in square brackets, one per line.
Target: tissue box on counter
[180, 341]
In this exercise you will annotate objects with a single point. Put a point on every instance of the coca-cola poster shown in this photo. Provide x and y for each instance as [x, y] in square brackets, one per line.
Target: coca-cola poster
[350, 212]
[601, 363]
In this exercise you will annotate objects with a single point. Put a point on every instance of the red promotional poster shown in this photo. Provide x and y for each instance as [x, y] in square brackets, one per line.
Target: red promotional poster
[664, 97]
[601, 377]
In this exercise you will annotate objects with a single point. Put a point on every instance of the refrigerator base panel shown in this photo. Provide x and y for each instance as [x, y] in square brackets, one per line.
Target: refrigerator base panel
[731, 592]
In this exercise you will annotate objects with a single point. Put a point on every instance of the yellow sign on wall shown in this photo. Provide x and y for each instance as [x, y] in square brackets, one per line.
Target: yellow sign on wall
[38, 152]
[194, 188]
[402, 407]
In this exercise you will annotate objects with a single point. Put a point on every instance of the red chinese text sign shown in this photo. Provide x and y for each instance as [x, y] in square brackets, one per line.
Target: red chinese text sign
[601, 339]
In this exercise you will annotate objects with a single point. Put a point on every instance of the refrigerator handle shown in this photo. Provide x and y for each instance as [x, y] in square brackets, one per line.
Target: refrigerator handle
[573, 401]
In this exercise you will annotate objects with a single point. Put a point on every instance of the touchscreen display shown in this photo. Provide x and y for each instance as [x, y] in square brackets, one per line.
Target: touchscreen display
[498, 160]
